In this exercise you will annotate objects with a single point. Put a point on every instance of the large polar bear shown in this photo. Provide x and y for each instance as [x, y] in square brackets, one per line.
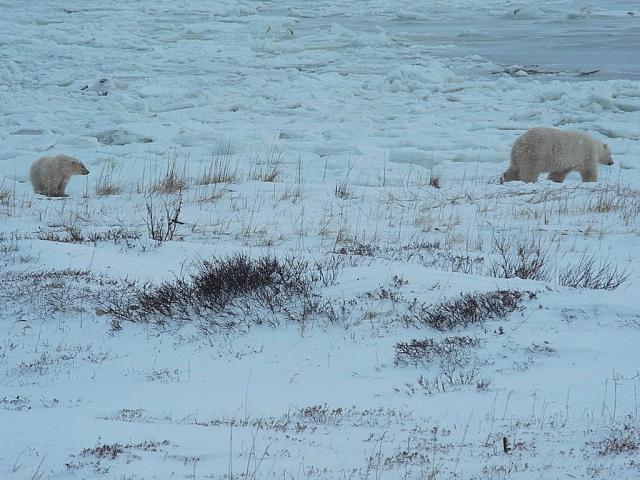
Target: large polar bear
[50, 175]
[557, 152]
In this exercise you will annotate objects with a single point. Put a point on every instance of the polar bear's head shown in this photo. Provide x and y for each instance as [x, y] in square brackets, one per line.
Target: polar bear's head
[76, 167]
[605, 155]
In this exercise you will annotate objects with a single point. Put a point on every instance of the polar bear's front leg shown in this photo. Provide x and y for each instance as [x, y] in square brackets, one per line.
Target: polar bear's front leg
[589, 174]
[511, 174]
[558, 176]
[60, 187]
[528, 174]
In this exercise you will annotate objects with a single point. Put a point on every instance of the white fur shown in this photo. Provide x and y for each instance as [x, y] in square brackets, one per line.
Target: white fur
[557, 152]
[50, 175]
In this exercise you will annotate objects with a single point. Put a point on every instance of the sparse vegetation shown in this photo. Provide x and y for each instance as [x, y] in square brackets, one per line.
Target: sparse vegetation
[113, 451]
[463, 263]
[68, 291]
[67, 234]
[162, 220]
[74, 234]
[128, 236]
[621, 439]
[449, 381]
[609, 198]
[354, 247]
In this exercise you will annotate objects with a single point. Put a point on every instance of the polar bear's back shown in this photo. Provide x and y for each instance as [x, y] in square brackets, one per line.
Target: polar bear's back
[550, 148]
[44, 165]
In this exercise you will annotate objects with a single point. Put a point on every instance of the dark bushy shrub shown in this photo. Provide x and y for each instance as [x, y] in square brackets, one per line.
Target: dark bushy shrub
[417, 352]
[226, 292]
[468, 309]
[589, 273]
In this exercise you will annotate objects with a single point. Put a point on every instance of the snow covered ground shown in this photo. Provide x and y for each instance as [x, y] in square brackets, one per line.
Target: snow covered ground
[365, 141]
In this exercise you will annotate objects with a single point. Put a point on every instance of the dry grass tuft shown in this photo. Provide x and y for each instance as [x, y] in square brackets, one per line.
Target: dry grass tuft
[220, 168]
[107, 183]
[172, 180]
[6, 192]
[213, 195]
[343, 191]
[269, 168]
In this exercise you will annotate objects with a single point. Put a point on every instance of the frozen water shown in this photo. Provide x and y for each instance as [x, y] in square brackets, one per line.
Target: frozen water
[566, 38]
[321, 78]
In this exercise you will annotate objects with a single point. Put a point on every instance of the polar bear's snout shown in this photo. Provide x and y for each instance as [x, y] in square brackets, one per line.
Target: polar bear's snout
[606, 158]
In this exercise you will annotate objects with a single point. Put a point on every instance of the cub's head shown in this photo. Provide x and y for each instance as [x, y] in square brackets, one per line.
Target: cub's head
[77, 167]
[605, 156]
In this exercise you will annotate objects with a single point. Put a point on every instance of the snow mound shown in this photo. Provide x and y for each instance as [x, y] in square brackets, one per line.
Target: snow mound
[412, 78]
[591, 11]
[525, 13]
[412, 155]
[118, 136]
[410, 16]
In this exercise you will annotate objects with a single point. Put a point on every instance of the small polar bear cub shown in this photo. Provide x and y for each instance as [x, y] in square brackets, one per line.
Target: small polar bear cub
[557, 152]
[50, 175]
